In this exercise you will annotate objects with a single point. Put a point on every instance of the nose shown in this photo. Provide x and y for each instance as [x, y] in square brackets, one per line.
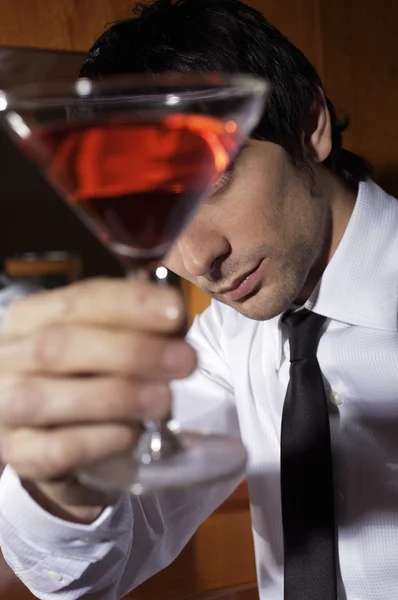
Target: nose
[201, 247]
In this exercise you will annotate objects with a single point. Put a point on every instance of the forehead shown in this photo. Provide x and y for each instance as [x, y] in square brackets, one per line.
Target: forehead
[262, 160]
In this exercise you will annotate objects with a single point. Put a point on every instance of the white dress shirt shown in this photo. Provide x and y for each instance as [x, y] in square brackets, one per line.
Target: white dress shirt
[239, 388]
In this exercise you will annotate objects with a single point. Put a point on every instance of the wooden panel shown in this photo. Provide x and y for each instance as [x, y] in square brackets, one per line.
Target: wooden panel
[246, 592]
[361, 76]
[20, 268]
[16, 591]
[58, 24]
[196, 300]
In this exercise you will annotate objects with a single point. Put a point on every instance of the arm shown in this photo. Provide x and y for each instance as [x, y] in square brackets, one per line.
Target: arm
[139, 536]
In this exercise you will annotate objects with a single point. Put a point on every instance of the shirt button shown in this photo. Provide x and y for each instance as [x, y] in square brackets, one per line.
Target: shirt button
[53, 575]
[335, 398]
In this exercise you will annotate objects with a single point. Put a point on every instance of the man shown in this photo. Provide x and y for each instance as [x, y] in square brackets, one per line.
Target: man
[294, 230]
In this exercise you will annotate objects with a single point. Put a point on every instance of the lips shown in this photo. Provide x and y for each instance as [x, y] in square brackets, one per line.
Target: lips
[237, 282]
[242, 286]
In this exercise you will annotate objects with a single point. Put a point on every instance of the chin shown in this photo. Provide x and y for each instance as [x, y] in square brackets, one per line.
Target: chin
[265, 304]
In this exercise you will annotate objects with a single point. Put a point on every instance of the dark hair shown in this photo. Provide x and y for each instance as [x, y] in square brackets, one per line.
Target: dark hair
[230, 37]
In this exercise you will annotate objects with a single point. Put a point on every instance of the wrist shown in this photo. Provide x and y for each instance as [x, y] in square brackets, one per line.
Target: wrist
[63, 504]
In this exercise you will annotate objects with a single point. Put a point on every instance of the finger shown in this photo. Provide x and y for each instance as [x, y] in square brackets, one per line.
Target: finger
[77, 349]
[42, 455]
[44, 402]
[111, 302]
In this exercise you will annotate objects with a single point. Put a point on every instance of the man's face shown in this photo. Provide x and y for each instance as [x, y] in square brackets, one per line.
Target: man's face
[253, 243]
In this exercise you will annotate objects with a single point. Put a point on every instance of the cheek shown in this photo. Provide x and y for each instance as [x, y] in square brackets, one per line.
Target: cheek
[262, 222]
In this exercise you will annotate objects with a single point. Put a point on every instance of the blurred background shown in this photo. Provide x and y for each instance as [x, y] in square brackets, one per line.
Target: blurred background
[353, 45]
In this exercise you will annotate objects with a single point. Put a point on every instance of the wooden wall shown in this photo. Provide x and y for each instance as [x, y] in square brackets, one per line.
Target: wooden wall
[58, 24]
[360, 70]
[354, 46]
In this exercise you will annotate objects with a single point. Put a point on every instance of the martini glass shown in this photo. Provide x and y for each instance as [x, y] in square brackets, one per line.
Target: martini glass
[133, 157]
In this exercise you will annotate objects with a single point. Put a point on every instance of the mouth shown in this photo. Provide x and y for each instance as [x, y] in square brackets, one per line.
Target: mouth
[242, 286]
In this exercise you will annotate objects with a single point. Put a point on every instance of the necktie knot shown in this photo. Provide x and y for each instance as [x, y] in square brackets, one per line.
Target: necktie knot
[304, 329]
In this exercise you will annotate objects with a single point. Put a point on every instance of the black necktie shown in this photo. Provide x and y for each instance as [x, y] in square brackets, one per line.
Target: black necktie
[306, 469]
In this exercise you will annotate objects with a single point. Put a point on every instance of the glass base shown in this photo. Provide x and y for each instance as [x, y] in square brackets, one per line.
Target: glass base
[201, 459]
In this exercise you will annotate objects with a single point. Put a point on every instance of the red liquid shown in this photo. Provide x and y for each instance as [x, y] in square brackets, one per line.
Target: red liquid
[137, 181]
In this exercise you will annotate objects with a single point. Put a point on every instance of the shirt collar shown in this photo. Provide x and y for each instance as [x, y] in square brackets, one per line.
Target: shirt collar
[360, 284]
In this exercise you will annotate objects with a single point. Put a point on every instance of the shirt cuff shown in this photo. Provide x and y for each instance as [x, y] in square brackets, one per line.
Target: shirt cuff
[24, 514]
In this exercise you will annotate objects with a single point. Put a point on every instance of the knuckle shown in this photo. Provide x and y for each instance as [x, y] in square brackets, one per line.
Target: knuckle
[24, 401]
[49, 347]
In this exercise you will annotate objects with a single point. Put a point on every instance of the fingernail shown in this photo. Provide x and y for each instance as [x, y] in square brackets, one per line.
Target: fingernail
[169, 307]
[167, 304]
[178, 358]
[171, 312]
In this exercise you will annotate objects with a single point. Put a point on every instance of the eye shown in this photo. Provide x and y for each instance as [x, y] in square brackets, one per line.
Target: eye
[224, 180]
[221, 182]
[227, 177]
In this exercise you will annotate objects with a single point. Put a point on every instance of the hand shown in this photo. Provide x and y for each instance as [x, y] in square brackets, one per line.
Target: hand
[80, 368]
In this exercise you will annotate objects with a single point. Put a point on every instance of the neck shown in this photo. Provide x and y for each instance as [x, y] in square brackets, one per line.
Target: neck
[339, 201]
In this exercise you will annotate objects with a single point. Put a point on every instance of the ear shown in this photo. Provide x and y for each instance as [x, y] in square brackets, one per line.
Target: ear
[317, 130]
